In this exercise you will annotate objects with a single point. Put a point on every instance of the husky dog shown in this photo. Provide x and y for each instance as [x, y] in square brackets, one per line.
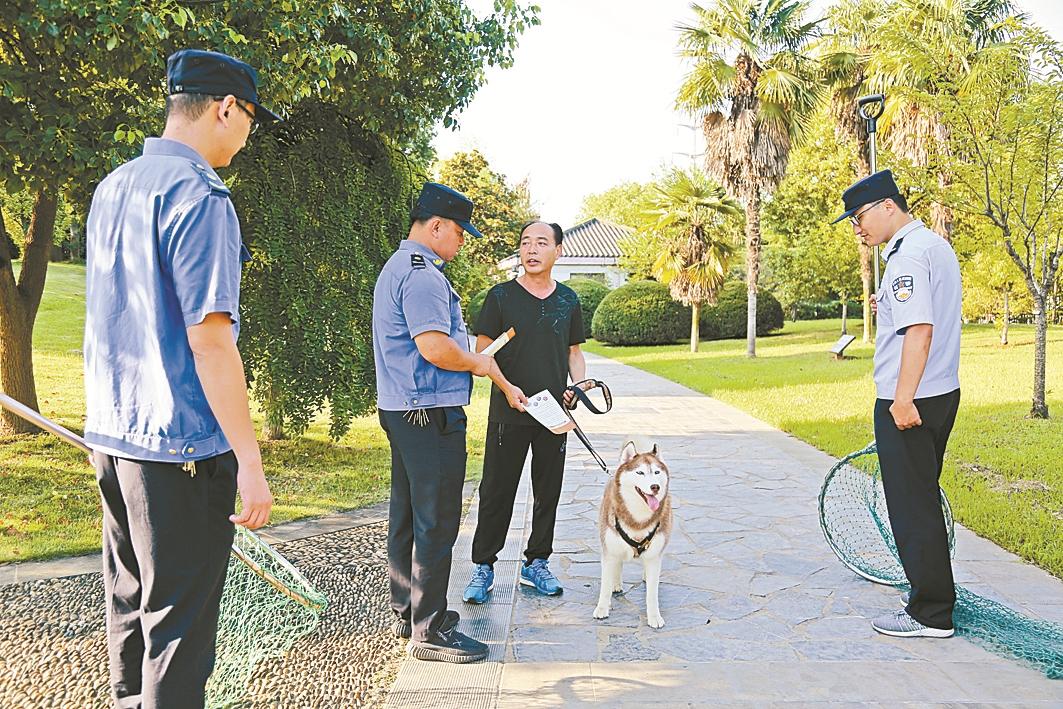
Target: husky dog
[635, 523]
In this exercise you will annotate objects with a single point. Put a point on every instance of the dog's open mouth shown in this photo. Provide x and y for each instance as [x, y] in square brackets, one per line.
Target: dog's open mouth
[650, 498]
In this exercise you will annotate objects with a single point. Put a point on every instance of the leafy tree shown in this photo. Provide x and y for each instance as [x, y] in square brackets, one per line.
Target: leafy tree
[500, 212]
[308, 291]
[756, 84]
[960, 33]
[619, 204]
[691, 213]
[810, 258]
[82, 86]
[1005, 157]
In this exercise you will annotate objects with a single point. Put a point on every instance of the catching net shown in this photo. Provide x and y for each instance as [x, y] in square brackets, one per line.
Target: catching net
[852, 515]
[267, 605]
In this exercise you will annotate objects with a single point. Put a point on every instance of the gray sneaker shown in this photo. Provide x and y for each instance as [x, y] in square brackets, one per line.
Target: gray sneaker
[900, 624]
[904, 600]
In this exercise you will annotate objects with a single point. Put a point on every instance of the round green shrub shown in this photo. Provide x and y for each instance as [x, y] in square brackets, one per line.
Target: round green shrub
[727, 319]
[590, 294]
[473, 308]
[640, 313]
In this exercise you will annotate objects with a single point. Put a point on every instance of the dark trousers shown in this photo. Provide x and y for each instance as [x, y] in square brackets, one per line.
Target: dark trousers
[505, 450]
[427, 474]
[911, 467]
[166, 541]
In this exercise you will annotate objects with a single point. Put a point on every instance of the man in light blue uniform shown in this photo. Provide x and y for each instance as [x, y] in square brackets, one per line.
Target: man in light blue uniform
[917, 362]
[423, 373]
[166, 397]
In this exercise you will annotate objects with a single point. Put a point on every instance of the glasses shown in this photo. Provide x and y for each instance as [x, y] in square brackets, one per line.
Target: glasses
[855, 219]
[254, 121]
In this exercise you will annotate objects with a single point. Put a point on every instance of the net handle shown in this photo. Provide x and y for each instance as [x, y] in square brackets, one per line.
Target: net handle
[15, 407]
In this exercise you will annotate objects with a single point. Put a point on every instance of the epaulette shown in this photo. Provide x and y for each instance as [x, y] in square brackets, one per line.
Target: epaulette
[417, 261]
[212, 180]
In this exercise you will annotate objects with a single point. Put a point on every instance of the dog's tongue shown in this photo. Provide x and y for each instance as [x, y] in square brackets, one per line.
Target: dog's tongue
[653, 502]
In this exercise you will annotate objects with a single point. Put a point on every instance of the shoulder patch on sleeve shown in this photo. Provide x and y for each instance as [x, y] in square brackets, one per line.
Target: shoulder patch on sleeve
[903, 287]
[215, 184]
[417, 261]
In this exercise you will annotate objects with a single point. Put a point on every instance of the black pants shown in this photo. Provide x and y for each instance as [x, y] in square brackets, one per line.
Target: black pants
[427, 474]
[911, 467]
[504, 453]
[166, 541]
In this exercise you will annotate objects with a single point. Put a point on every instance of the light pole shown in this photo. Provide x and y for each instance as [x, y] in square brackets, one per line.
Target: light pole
[870, 108]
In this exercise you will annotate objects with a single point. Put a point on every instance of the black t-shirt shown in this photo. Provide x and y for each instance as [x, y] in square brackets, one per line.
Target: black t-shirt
[537, 358]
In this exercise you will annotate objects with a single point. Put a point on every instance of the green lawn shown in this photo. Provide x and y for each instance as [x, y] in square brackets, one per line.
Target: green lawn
[48, 499]
[1003, 472]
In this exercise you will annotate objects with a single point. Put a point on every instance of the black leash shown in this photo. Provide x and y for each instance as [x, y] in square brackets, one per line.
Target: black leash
[581, 395]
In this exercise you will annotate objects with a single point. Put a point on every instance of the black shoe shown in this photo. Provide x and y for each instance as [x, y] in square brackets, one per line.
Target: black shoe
[402, 628]
[449, 646]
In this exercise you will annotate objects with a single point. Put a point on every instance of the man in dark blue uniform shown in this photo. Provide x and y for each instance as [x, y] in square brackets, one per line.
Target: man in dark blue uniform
[423, 371]
[167, 410]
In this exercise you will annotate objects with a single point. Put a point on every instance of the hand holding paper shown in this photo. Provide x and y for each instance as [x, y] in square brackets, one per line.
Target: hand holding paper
[544, 408]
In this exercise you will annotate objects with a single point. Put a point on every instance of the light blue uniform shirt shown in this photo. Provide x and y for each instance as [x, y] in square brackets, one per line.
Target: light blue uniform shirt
[412, 296]
[163, 252]
[920, 285]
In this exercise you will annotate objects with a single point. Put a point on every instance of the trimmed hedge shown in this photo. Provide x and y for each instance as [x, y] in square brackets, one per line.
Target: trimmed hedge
[727, 319]
[640, 313]
[473, 308]
[590, 294]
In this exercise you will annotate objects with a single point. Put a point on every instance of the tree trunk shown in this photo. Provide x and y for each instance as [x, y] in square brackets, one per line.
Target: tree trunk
[695, 326]
[1006, 319]
[18, 310]
[1039, 408]
[866, 279]
[274, 418]
[752, 270]
[845, 315]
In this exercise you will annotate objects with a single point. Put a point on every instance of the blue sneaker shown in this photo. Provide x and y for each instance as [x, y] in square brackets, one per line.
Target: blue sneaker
[482, 583]
[537, 575]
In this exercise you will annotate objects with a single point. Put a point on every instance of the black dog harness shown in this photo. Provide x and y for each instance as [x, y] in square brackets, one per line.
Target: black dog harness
[639, 547]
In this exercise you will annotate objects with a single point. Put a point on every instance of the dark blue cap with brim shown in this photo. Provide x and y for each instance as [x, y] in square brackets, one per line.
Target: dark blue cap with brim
[870, 189]
[438, 200]
[196, 71]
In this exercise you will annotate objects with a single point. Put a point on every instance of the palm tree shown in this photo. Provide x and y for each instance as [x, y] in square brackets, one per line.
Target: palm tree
[690, 213]
[844, 55]
[959, 32]
[756, 87]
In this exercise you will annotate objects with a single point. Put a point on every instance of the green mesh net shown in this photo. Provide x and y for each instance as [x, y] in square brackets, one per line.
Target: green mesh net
[267, 605]
[852, 514]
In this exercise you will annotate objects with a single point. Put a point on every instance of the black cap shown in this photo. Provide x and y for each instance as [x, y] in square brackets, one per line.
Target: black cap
[195, 71]
[870, 189]
[438, 200]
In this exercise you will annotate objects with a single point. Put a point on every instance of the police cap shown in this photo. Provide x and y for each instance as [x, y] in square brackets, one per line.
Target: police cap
[438, 200]
[196, 71]
[870, 189]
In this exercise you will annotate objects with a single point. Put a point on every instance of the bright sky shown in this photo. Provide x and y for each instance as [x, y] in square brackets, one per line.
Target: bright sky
[588, 101]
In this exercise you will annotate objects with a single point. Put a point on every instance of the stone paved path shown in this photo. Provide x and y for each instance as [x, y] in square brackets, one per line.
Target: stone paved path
[758, 611]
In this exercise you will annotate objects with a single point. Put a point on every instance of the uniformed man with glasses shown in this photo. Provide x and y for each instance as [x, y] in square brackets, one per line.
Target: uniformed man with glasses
[917, 358]
[166, 396]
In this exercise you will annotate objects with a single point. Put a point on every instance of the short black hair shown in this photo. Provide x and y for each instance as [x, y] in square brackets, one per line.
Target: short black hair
[559, 233]
[190, 106]
[900, 201]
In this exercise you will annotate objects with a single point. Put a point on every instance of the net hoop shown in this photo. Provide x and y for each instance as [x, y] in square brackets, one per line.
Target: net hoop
[304, 593]
[838, 549]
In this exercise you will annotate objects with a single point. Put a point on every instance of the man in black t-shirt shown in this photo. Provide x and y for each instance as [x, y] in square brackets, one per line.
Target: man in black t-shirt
[546, 351]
